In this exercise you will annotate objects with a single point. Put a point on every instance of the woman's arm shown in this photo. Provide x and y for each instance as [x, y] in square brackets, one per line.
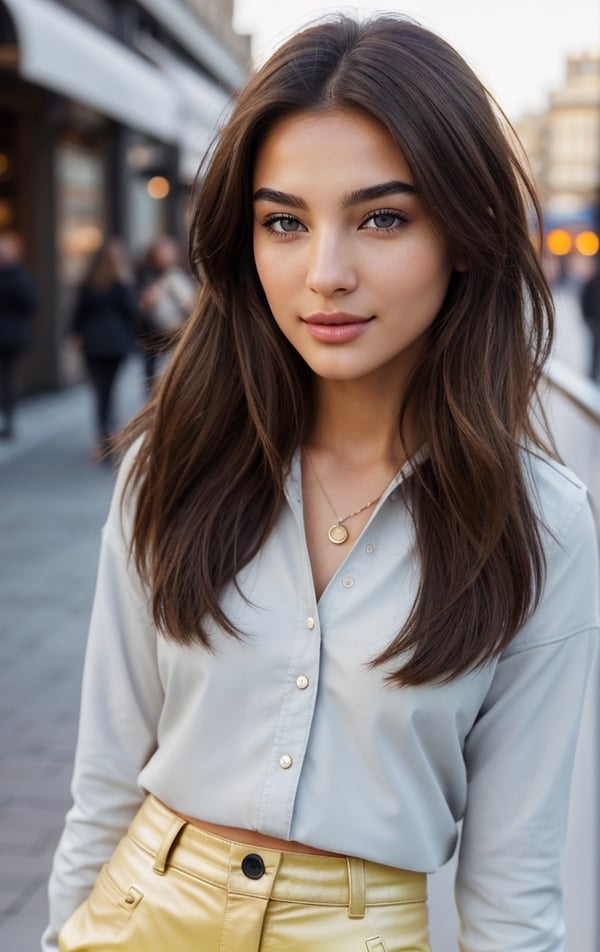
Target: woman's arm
[519, 758]
[121, 702]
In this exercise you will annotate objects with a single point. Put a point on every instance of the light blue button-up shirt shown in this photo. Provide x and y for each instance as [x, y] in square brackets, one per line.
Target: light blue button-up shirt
[288, 731]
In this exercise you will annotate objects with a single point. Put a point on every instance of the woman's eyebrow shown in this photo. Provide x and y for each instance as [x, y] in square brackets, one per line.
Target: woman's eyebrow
[278, 198]
[357, 197]
[394, 187]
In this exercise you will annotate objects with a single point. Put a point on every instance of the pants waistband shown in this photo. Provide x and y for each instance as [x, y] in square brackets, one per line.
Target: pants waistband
[250, 870]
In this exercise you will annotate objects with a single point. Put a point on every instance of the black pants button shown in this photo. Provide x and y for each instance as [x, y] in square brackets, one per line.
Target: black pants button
[253, 866]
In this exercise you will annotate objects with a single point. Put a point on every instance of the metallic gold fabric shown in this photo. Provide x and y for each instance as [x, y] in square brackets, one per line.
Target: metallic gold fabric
[171, 887]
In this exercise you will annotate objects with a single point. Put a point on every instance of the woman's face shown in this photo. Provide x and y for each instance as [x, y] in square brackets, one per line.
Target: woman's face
[351, 267]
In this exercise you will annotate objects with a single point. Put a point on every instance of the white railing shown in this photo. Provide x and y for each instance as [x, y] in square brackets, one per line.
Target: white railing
[573, 406]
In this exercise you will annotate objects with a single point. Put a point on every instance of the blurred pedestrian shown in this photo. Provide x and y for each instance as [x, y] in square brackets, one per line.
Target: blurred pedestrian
[103, 326]
[589, 301]
[166, 297]
[17, 306]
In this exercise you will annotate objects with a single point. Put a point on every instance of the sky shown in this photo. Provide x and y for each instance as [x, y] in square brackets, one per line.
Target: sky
[517, 47]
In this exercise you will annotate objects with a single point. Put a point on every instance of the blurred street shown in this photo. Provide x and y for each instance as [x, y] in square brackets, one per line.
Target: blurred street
[572, 340]
[54, 501]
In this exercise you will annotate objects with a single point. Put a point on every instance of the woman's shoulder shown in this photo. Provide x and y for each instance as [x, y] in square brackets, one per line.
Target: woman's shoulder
[559, 496]
[569, 600]
[569, 534]
[119, 522]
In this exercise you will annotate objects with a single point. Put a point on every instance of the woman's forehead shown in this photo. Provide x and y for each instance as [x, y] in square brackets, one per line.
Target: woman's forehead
[348, 147]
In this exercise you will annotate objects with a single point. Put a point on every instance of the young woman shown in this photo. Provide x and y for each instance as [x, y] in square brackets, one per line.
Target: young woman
[103, 326]
[346, 597]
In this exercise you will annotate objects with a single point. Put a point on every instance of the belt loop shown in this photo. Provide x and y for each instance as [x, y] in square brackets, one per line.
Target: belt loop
[168, 841]
[356, 888]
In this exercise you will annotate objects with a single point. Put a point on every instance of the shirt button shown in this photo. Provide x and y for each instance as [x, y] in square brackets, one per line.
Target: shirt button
[310, 623]
[369, 549]
[347, 581]
[302, 682]
[285, 762]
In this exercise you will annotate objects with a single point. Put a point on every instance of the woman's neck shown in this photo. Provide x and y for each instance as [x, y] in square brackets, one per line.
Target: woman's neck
[357, 423]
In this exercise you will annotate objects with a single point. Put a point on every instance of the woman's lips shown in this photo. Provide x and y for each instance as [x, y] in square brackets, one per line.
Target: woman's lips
[337, 328]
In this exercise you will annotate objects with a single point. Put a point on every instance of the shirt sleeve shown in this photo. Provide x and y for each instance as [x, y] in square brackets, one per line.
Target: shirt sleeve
[519, 757]
[120, 705]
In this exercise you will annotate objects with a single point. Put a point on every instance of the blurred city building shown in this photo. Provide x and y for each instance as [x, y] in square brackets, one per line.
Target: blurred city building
[563, 148]
[106, 108]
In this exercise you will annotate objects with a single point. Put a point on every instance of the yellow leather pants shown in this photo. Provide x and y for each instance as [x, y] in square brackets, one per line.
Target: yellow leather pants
[171, 887]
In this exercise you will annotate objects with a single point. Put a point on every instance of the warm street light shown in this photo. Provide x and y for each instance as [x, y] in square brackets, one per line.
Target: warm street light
[559, 242]
[587, 243]
[158, 187]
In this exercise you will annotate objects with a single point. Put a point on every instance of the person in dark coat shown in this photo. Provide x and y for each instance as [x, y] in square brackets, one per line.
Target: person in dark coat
[590, 309]
[103, 326]
[17, 306]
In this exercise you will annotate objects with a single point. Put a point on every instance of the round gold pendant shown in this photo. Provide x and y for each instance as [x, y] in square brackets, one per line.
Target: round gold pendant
[337, 533]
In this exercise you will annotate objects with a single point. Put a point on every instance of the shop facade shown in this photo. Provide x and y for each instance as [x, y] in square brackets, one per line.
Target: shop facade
[105, 112]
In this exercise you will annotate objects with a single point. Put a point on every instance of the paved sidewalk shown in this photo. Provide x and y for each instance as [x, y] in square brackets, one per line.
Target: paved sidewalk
[54, 501]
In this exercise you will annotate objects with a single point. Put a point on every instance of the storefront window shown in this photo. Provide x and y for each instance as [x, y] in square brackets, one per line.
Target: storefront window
[149, 191]
[80, 208]
[81, 224]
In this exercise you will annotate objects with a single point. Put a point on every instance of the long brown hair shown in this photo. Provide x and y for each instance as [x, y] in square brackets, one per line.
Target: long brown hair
[235, 400]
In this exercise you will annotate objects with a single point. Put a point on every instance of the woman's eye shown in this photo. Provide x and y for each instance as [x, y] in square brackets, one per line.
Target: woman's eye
[384, 221]
[284, 225]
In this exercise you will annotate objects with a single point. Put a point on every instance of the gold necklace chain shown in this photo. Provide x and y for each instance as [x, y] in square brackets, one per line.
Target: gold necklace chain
[337, 532]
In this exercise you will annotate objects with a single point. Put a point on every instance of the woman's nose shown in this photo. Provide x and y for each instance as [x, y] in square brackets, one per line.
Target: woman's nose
[331, 268]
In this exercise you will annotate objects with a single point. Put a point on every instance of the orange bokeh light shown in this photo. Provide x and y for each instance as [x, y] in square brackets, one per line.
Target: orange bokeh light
[158, 187]
[559, 242]
[587, 243]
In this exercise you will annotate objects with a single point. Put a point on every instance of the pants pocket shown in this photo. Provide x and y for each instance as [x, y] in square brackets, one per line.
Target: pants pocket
[375, 944]
[399, 927]
[117, 893]
[98, 921]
